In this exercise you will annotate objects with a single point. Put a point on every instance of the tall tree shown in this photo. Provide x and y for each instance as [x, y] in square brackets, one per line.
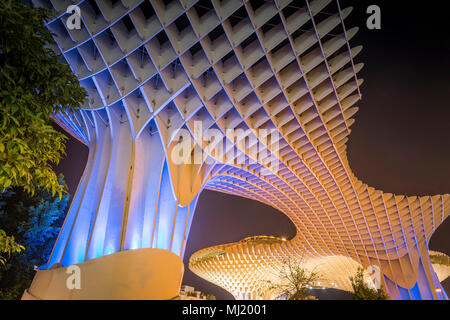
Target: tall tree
[35, 82]
[361, 291]
[293, 279]
[35, 221]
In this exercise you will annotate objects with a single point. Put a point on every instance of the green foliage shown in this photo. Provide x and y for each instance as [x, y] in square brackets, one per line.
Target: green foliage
[294, 280]
[9, 246]
[361, 291]
[35, 82]
[35, 221]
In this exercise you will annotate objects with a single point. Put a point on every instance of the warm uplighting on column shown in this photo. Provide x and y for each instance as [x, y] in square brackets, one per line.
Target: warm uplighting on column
[439, 293]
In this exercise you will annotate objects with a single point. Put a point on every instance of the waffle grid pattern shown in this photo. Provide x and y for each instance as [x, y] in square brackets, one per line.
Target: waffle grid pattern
[282, 65]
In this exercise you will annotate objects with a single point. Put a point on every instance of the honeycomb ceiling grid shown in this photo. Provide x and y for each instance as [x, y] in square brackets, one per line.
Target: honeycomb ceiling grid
[299, 219]
[115, 77]
[119, 87]
[94, 46]
[91, 2]
[327, 64]
[294, 215]
[309, 239]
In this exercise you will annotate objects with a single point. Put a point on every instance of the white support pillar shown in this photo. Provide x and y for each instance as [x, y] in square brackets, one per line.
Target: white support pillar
[126, 197]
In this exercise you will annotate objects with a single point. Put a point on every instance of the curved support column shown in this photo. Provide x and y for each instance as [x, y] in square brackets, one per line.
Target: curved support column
[421, 282]
[125, 199]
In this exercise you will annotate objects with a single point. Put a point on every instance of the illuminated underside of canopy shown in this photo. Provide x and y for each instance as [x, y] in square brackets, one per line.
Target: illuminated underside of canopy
[251, 268]
[153, 68]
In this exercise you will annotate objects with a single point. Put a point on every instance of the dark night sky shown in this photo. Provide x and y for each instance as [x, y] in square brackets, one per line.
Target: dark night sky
[400, 142]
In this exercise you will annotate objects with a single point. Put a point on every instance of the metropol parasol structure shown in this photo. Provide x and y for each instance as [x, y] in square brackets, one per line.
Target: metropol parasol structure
[170, 80]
